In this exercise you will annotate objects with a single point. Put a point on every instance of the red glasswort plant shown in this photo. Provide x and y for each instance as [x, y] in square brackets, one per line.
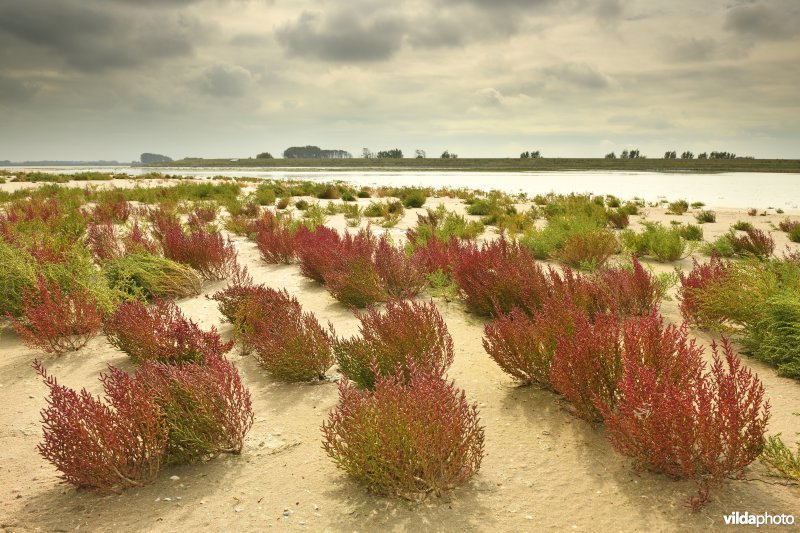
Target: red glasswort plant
[436, 255]
[106, 446]
[137, 242]
[628, 291]
[317, 251]
[498, 276]
[400, 274]
[408, 439]
[406, 330]
[693, 284]
[54, 320]
[524, 346]
[276, 245]
[207, 252]
[103, 241]
[754, 242]
[205, 406]
[589, 362]
[707, 427]
[160, 332]
[290, 344]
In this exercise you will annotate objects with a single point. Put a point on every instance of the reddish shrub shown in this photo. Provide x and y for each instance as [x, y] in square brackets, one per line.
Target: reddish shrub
[207, 252]
[408, 438]
[704, 428]
[110, 209]
[437, 255]
[753, 242]
[618, 219]
[161, 218]
[628, 291]
[202, 215]
[206, 408]
[405, 330]
[276, 245]
[160, 332]
[788, 225]
[317, 251]
[136, 242]
[695, 282]
[107, 446]
[290, 344]
[54, 320]
[355, 282]
[233, 297]
[498, 276]
[524, 346]
[103, 241]
[589, 361]
[400, 274]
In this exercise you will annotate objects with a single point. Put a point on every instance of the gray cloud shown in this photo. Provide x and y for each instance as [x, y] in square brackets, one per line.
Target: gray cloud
[694, 49]
[773, 21]
[344, 36]
[96, 37]
[576, 75]
[13, 91]
[226, 81]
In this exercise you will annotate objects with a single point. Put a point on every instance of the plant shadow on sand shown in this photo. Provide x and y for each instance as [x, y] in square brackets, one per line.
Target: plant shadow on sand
[65, 508]
[457, 510]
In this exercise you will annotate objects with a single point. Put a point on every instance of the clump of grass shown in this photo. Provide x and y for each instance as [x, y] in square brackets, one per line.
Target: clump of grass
[691, 232]
[705, 216]
[742, 225]
[678, 207]
[442, 225]
[662, 243]
[143, 276]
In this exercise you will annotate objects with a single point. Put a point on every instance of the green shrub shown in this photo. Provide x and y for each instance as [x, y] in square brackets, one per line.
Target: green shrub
[721, 246]
[774, 334]
[742, 225]
[705, 216]
[662, 243]
[779, 459]
[678, 207]
[145, 276]
[691, 232]
[413, 197]
[443, 225]
[794, 234]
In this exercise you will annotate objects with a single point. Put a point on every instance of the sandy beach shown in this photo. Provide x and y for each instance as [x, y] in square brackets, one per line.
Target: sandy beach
[544, 469]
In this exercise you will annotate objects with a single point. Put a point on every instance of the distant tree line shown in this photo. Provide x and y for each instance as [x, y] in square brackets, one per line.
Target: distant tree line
[148, 158]
[314, 152]
[531, 155]
[264, 155]
[394, 153]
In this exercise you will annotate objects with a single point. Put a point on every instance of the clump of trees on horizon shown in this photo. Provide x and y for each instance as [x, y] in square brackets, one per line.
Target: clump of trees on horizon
[148, 158]
[314, 152]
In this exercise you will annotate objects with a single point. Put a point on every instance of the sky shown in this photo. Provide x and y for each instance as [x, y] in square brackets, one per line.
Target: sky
[110, 79]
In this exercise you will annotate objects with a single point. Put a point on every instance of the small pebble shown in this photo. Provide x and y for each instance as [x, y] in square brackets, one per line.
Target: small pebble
[174, 478]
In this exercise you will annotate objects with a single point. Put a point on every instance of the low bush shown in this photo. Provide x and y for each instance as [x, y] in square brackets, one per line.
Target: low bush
[317, 251]
[705, 216]
[524, 346]
[705, 428]
[720, 247]
[678, 207]
[207, 252]
[437, 256]
[589, 250]
[407, 438]
[276, 244]
[144, 276]
[57, 321]
[590, 359]
[742, 225]
[240, 289]
[694, 286]
[754, 242]
[549, 241]
[137, 242]
[628, 290]
[103, 241]
[443, 225]
[779, 459]
[497, 276]
[205, 406]
[618, 218]
[105, 446]
[401, 275]
[290, 344]
[160, 332]
[691, 232]
[406, 330]
[663, 244]
[774, 334]
[412, 197]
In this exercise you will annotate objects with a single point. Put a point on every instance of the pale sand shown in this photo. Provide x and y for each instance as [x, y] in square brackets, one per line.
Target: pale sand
[544, 469]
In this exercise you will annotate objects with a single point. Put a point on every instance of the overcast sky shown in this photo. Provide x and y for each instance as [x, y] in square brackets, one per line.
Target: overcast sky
[109, 79]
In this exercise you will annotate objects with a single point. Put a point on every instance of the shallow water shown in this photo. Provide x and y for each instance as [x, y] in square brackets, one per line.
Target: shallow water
[739, 189]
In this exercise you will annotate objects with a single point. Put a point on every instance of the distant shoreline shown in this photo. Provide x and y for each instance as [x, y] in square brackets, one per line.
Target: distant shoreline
[502, 165]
